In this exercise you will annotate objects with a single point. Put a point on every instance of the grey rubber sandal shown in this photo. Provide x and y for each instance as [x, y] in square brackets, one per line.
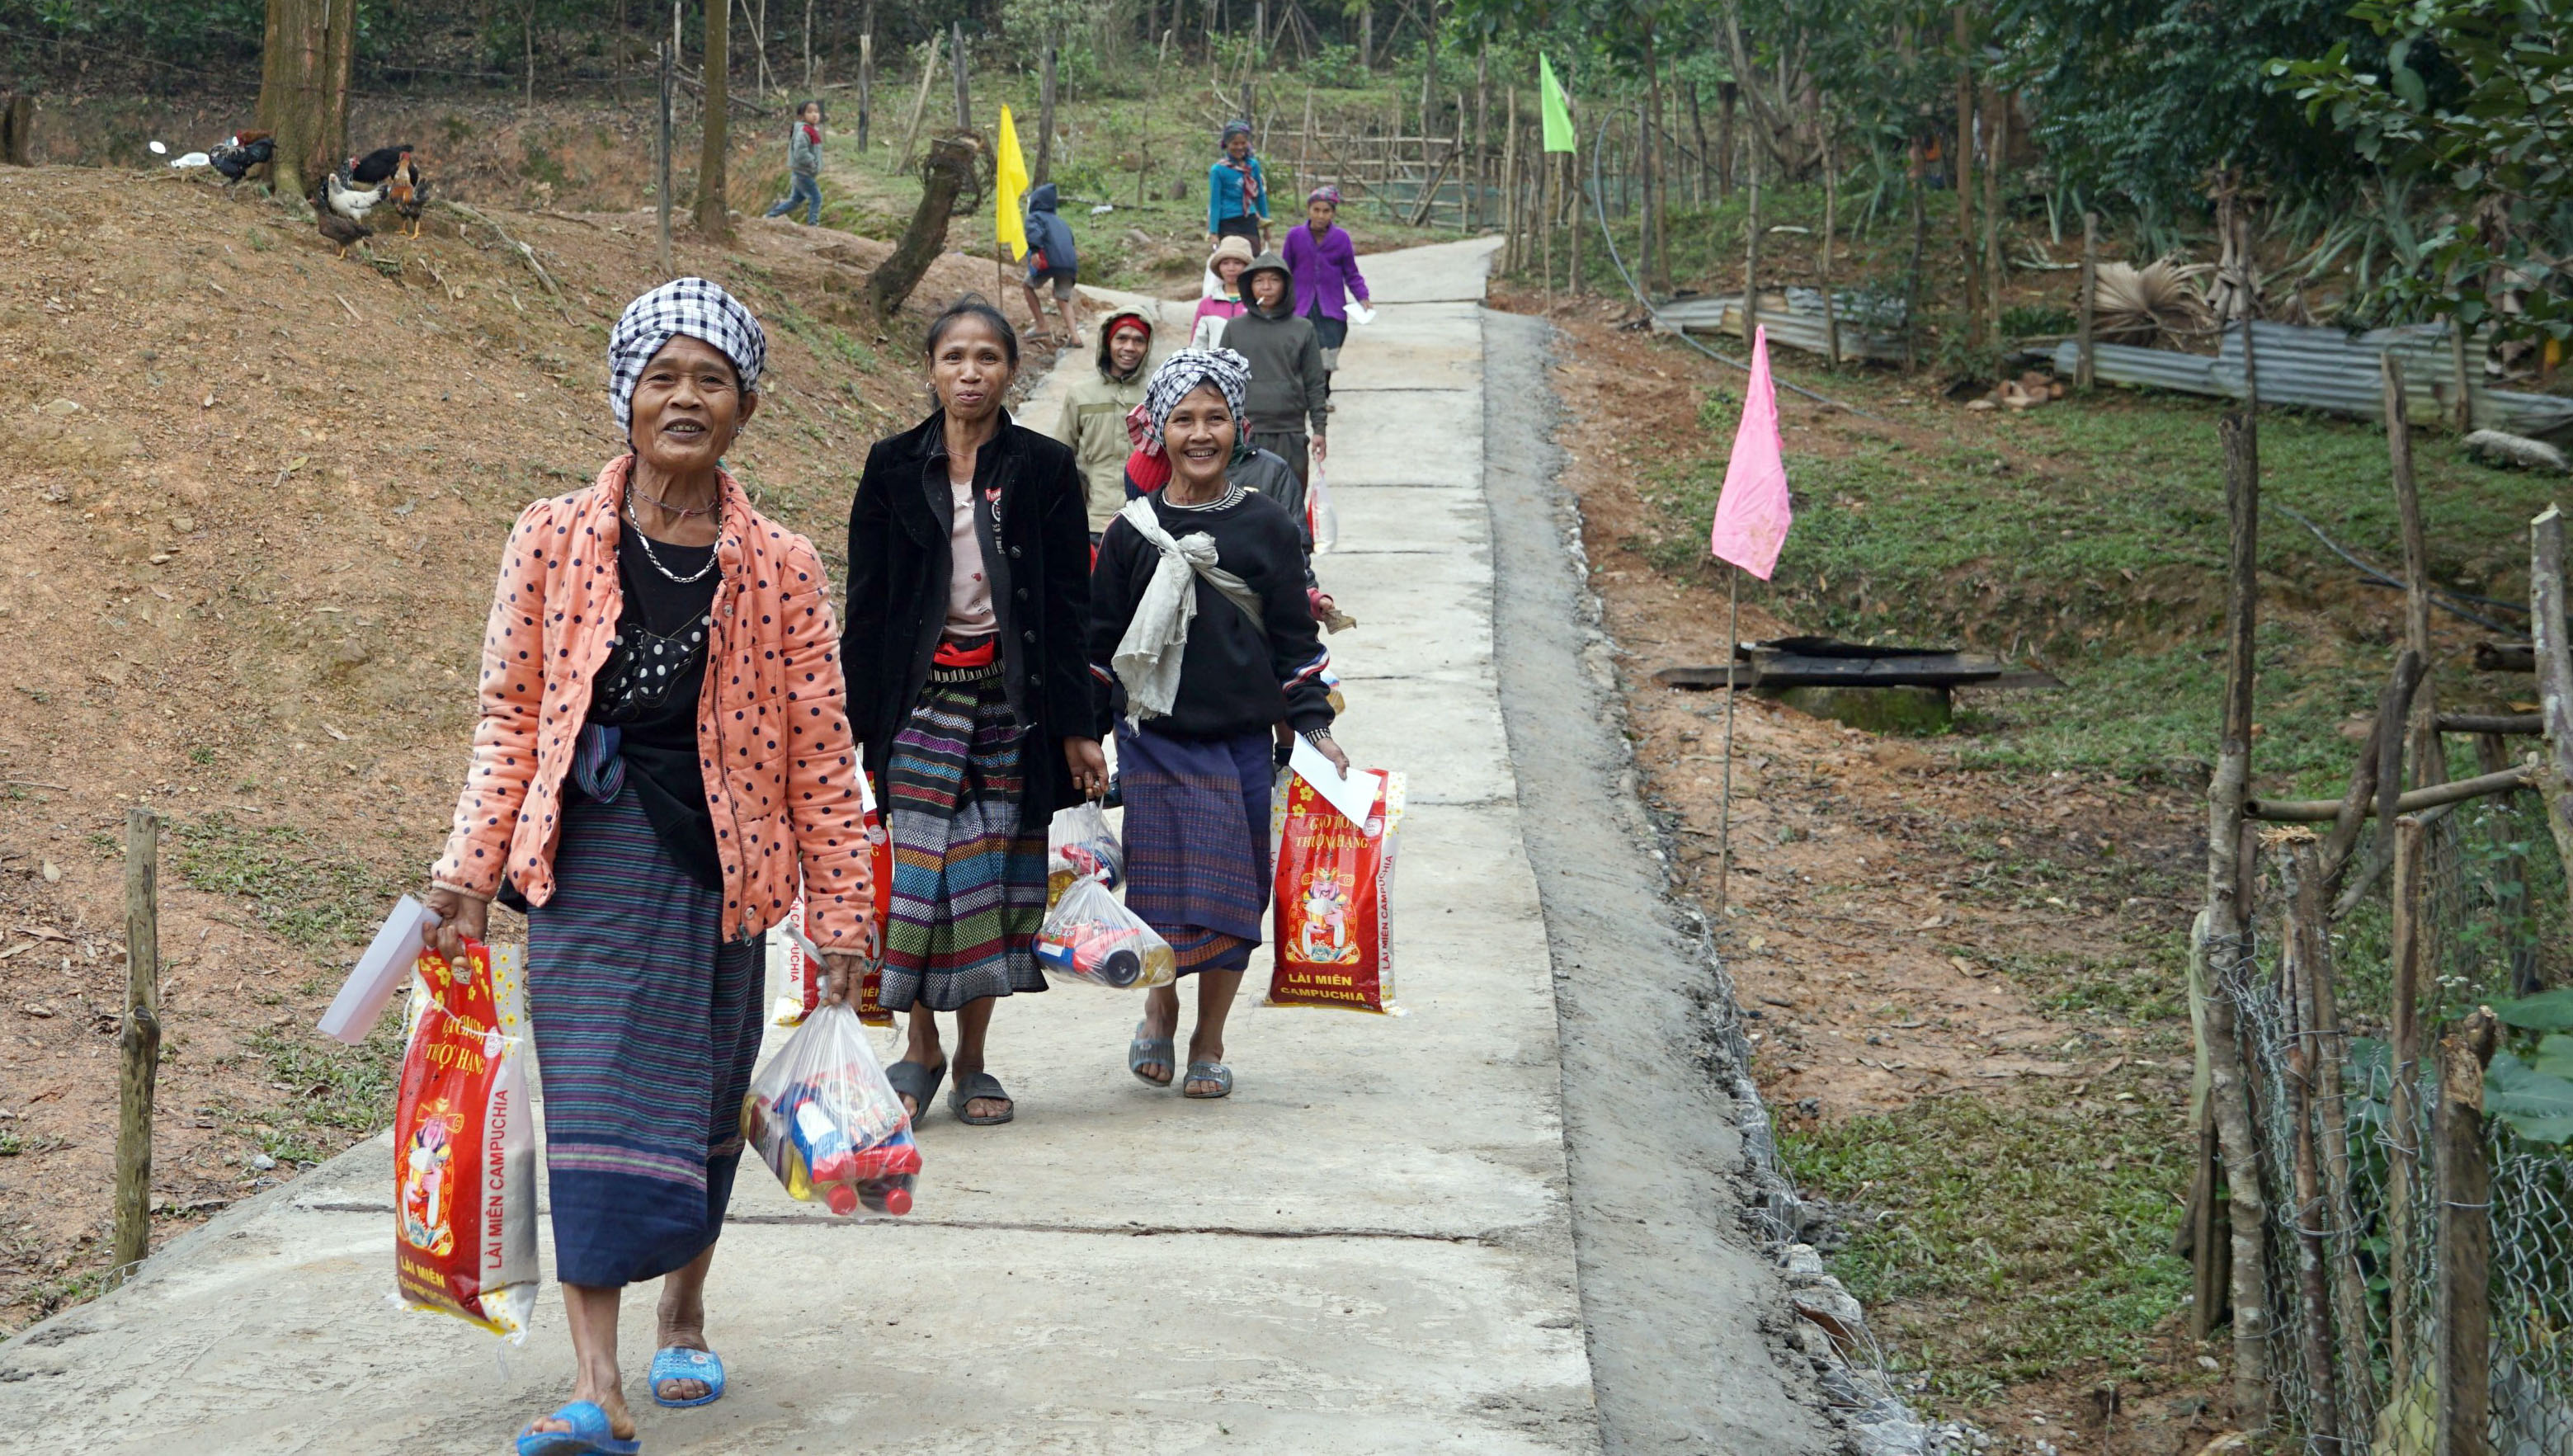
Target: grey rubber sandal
[918, 1082]
[981, 1087]
[1213, 1072]
[1145, 1050]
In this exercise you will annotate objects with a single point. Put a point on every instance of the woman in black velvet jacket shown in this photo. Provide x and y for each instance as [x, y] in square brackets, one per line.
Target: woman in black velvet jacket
[970, 692]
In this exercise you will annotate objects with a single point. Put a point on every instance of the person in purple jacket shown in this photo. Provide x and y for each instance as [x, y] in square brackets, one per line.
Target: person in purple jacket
[1324, 265]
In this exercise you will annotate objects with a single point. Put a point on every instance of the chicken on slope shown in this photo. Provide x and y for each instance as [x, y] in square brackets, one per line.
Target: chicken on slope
[339, 211]
[349, 202]
[235, 158]
[342, 230]
[379, 164]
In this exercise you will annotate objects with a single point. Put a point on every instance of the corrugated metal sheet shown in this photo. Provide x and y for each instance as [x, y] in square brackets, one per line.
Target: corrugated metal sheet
[2328, 370]
[1794, 322]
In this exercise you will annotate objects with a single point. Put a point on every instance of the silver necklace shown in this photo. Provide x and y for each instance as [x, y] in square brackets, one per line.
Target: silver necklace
[646, 542]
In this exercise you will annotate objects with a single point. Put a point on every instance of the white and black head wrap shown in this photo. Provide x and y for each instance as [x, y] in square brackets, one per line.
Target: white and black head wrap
[1181, 373]
[696, 306]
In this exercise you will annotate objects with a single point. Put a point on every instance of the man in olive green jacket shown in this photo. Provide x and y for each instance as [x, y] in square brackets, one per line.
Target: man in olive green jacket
[1094, 414]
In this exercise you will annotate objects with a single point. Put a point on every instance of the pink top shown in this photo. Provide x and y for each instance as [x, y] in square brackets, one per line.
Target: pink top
[1219, 307]
[969, 593]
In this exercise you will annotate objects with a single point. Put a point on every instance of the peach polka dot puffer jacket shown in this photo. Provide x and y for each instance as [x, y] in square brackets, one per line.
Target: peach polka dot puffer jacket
[781, 769]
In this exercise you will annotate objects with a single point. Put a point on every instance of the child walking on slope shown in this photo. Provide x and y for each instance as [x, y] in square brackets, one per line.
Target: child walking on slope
[804, 165]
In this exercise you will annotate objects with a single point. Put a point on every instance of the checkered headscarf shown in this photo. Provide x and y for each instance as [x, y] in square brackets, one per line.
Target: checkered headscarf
[695, 306]
[1184, 372]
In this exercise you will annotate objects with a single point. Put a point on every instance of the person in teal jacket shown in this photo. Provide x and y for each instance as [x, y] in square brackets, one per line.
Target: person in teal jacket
[1236, 191]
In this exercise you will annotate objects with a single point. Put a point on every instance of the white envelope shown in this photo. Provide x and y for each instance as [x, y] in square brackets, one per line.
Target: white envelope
[1353, 796]
[383, 970]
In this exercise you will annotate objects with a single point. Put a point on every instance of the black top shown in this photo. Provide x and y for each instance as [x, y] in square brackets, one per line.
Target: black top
[648, 690]
[1037, 558]
[1237, 676]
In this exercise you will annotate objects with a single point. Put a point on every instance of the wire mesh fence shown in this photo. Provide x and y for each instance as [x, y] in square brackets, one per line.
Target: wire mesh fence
[2402, 1220]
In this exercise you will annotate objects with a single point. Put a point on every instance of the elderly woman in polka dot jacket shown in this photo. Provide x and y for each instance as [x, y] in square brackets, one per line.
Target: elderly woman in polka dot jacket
[662, 753]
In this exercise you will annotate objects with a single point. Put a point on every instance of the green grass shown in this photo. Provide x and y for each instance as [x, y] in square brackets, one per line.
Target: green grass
[2000, 1249]
[311, 896]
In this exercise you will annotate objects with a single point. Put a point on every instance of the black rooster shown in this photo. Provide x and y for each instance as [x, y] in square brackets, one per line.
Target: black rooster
[378, 166]
[235, 159]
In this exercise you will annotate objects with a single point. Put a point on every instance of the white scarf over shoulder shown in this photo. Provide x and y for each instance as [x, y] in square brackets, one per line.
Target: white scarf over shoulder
[1157, 637]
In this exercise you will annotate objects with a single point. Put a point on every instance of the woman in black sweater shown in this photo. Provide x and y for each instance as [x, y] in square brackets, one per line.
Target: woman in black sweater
[1203, 640]
[968, 550]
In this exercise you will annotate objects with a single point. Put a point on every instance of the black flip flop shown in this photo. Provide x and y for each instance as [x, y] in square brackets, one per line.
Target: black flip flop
[918, 1082]
[982, 1085]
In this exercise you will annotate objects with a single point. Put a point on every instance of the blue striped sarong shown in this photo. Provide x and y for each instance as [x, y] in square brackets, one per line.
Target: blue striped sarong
[647, 1027]
[969, 861]
[1197, 841]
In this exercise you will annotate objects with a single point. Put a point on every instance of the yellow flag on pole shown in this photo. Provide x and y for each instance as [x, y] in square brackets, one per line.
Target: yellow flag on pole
[1008, 184]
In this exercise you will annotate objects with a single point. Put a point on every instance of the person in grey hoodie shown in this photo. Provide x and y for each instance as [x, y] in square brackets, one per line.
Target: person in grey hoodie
[804, 165]
[1290, 392]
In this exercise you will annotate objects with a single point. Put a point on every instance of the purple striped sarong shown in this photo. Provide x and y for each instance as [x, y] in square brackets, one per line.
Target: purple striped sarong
[1197, 841]
[968, 878]
[647, 1027]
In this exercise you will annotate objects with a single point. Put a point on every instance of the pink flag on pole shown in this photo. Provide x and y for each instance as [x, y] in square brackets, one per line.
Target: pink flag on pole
[1752, 515]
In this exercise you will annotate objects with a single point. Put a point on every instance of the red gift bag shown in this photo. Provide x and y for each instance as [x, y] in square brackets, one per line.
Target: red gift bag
[1333, 924]
[464, 1152]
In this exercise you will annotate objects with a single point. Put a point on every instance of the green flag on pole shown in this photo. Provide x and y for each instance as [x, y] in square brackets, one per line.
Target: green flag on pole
[1558, 110]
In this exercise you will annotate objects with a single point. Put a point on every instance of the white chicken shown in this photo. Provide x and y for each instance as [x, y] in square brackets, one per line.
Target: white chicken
[351, 202]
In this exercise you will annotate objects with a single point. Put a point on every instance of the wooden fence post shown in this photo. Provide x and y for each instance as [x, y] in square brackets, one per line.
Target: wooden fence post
[139, 1041]
[2328, 1040]
[2228, 927]
[2086, 360]
[2554, 672]
[669, 98]
[2464, 1261]
[1045, 116]
[2310, 1211]
[2403, 1108]
[956, 60]
[866, 87]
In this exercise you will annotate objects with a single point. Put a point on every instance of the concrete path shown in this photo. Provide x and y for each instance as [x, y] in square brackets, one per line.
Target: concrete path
[1369, 1249]
[1365, 1250]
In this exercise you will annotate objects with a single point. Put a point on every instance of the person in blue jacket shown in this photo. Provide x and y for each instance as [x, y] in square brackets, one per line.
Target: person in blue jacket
[1051, 258]
[1236, 191]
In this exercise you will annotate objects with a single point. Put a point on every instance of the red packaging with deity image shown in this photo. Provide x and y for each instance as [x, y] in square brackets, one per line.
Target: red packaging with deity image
[465, 1149]
[1333, 925]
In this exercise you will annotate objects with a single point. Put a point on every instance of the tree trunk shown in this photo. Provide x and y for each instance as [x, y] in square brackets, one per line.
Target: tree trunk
[956, 59]
[714, 219]
[1366, 38]
[1658, 273]
[1705, 162]
[528, 46]
[304, 89]
[808, 45]
[617, 59]
[1045, 116]
[1965, 175]
[949, 168]
[1728, 93]
[17, 129]
[1997, 139]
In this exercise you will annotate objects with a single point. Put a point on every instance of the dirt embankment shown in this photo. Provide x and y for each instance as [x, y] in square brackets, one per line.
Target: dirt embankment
[247, 542]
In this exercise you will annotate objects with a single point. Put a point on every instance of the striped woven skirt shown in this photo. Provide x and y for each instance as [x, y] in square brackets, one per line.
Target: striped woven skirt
[1197, 841]
[646, 1026]
[969, 869]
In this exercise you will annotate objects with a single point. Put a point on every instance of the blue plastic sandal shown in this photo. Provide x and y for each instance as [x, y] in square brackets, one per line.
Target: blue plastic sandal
[591, 1435]
[678, 1362]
